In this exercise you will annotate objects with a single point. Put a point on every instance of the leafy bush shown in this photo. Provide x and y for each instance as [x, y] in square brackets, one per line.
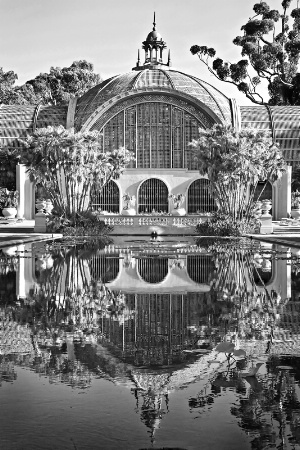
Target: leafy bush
[80, 224]
[224, 225]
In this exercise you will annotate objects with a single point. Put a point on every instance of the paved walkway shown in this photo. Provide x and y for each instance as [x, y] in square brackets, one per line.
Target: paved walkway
[9, 239]
[290, 240]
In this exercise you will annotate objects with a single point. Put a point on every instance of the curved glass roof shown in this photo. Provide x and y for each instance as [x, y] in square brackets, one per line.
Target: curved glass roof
[17, 121]
[281, 121]
[152, 78]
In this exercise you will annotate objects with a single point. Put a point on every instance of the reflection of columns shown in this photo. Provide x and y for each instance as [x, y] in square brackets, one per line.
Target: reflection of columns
[283, 194]
[20, 274]
[26, 193]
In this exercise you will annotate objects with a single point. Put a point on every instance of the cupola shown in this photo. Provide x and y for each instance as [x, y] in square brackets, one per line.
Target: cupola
[154, 47]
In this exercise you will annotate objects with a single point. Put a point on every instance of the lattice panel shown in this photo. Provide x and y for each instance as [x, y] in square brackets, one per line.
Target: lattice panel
[103, 268]
[158, 134]
[106, 200]
[153, 196]
[199, 197]
[153, 269]
[200, 268]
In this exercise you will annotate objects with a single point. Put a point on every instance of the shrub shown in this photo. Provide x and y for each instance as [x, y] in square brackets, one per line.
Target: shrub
[225, 225]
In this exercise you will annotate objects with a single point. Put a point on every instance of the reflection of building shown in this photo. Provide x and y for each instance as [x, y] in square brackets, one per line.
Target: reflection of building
[162, 340]
[155, 111]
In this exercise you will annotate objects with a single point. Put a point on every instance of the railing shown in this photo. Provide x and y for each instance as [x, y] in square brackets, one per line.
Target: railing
[162, 221]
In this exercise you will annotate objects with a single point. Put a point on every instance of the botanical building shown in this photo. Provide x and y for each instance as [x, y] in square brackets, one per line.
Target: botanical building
[155, 111]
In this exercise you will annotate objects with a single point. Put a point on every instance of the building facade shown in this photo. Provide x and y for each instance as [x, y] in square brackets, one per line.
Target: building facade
[155, 111]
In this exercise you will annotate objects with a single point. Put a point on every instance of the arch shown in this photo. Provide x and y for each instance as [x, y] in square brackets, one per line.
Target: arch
[199, 198]
[104, 268]
[200, 268]
[111, 107]
[106, 200]
[263, 191]
[153, 196]
[263, 277]
[153, 269]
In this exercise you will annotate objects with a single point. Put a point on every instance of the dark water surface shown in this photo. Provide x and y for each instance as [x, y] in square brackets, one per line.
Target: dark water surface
[140, 343]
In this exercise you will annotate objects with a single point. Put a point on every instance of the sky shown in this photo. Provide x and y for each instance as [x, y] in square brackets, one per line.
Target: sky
[38, 34]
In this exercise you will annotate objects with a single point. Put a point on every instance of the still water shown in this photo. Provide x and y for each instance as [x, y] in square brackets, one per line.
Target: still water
[139, 344]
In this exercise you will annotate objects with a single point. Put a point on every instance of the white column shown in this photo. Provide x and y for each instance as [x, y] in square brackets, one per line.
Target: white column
[20, 275]
[21, 178]
[26, 193]
[282, 194]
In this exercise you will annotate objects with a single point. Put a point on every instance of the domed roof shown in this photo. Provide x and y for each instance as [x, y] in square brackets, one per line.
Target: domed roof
[154, 36]
[200, 93]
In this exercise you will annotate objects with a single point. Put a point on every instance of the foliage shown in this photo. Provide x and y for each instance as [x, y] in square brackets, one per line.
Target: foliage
[296, 178]
[235, 161]
[9, 158]
[7, 81]
[68, 164]
[81, 224]
[53, 88]
[224, 225]
[8, 199]
[295, 203]
[271, 50]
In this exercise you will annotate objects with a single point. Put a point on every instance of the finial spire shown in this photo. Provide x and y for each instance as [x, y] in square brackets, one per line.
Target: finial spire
[154, 23]
[169, 58]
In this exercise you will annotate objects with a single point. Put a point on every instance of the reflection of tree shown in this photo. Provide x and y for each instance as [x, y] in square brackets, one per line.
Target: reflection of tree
[247, 310]
[271, 410]
[8, 268]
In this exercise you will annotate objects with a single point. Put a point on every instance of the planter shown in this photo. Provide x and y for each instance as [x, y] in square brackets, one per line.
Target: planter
[178, 212]
[9, 213]
[295, 213]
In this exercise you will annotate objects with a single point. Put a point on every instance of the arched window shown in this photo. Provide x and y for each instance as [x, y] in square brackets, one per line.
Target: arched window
[199, 198]
[153, 196]
[157, 133]
[200, 268]
[106, 200]
[262, 276]
[153, 269]
[104, 268]
[263, 191]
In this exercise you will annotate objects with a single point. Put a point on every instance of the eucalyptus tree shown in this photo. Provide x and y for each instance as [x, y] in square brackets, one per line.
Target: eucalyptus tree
[270, 45]
[53, 88]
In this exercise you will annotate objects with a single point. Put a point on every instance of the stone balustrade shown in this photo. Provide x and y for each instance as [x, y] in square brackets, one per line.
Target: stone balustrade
[162, 221]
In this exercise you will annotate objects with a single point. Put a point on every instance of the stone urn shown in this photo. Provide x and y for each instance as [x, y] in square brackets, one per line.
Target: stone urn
[9, 213]
[177, 200]
[295, 213]
[129, 208]
[266, 205]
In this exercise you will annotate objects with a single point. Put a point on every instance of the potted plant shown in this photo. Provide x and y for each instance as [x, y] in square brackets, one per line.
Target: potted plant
[177, 200]
[9, 202]
[295, 204]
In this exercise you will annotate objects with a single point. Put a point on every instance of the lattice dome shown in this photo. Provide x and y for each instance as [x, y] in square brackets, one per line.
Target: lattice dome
[198, 92]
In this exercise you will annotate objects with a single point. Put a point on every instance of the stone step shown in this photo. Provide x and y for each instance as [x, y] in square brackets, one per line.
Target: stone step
[286, 230]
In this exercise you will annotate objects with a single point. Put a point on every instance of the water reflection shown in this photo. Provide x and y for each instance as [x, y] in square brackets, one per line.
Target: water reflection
[148, 316]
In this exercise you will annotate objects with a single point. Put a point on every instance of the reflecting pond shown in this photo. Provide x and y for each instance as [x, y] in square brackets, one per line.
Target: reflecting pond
[149, 343]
